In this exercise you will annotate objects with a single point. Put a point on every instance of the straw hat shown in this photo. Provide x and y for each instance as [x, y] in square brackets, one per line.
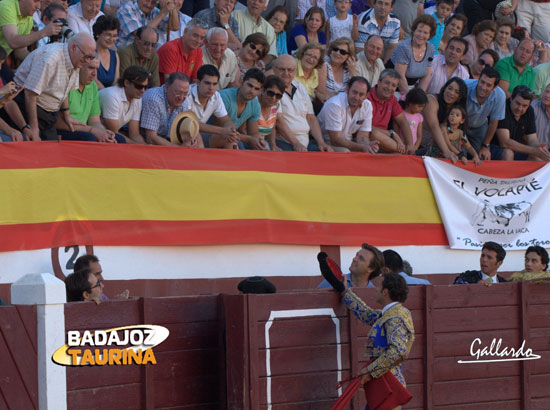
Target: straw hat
[185, 125]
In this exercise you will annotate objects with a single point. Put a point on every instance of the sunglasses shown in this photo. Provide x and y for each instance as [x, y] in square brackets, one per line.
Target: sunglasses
[340, 50]
[97, 285]
[139, 86]
[483, 63]
[255, 48]
[274, 94]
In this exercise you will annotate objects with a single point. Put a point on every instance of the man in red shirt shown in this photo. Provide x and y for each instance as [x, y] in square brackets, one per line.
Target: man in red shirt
[183, 54]
[384, 107]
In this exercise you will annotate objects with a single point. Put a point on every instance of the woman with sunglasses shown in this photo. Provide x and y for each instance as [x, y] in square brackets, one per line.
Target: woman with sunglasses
[339, 67]
[487, 58]
[310, 31]
[480, 39]
[413, 57]
[106, 30]
[270, 106]
[255, 48]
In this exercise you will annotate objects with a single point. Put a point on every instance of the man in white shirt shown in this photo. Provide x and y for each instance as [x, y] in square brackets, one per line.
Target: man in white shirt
[216, 53]
[121, 103]
[205, 101]
[346, 119]
[369, 61]
[297, 119]
[83, 15]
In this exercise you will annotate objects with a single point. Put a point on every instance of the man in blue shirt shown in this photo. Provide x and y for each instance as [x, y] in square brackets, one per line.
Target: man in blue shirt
[394, 264]
[244, 110]
[485, 104]
[367, 265]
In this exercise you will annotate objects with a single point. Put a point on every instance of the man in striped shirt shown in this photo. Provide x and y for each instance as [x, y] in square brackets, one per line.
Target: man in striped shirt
[380, 21]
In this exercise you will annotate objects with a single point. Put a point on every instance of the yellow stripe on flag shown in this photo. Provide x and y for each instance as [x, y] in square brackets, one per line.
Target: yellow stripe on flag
[57, 194]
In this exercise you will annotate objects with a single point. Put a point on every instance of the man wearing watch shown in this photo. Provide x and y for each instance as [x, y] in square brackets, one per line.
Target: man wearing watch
[220, 16]
[485, 105]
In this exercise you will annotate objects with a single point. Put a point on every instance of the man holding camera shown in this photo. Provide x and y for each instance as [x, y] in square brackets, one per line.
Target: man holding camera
[16, 26]
[55, 13]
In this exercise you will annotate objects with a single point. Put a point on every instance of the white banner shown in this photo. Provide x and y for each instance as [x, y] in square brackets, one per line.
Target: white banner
[475, 208]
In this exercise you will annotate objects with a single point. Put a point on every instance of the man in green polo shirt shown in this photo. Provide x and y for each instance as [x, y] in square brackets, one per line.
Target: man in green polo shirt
[16, 26]
[515, 70]
[85, 111]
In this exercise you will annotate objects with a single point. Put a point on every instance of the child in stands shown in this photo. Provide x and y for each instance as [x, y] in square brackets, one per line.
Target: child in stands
[415, 101]
[443, 10]
[342, 24]
[456, 140]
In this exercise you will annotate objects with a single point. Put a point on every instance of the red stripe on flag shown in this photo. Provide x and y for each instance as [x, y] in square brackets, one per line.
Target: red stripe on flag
[151, 233]
[96, 155]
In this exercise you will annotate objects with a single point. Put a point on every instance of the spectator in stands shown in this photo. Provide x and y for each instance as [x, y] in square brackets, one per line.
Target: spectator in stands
[391, 336]
[542, 78]
[85, 110]
[516, 135]
[183, 55]
[47, 75]
[515, 70]
[487, 58]
[492, 256]
[447, 65]
[369, 61]
[220, 16]
[290, 5]
[309, 59]
[542, 52]
[83, 15]
[443, 10]
[255, 48]
[205, 101]
[394, 264]
[311, 30]
[478, 12]
[378, 20]
[216, 53]
[486, 105]
[138, 13]
[454, 27]
[121, 103]
[367, 264]
[346, 119]
[297, 120]
[53, 12]
[413, 57]
[37, 15]
[84, 286]
[270, 106]
[91, 262]
[536, 266]
[160, 105]
[243, 109]
[142, 52]
[535, 16]
[250, 21]
[16, 27]
[8, 91]
[340, 66]
[406, 11]
[386, 107]
[343, 23]
[480, 39]
[415, 102]
[504, 44]
[541, 107]
[279, 19]
[105, 33]
[453, 92]
[177, 21]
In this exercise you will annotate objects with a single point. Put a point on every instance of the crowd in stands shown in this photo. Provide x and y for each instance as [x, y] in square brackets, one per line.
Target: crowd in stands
[372, 76]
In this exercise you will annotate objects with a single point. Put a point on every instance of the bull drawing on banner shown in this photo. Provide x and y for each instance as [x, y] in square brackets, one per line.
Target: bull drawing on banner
[501, 214]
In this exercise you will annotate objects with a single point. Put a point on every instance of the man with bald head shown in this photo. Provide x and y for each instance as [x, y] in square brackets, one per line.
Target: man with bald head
[515, 70]
[297, 121]
[47, 75]
[216, 52]
[369, 61]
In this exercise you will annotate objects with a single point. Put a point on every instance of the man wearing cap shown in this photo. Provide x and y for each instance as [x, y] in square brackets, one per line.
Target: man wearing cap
[160, 107]
[121, 103]
[244, 110]
[367, 264]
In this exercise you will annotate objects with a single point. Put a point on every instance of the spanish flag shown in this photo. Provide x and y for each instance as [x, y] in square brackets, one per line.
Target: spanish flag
[60, 194]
